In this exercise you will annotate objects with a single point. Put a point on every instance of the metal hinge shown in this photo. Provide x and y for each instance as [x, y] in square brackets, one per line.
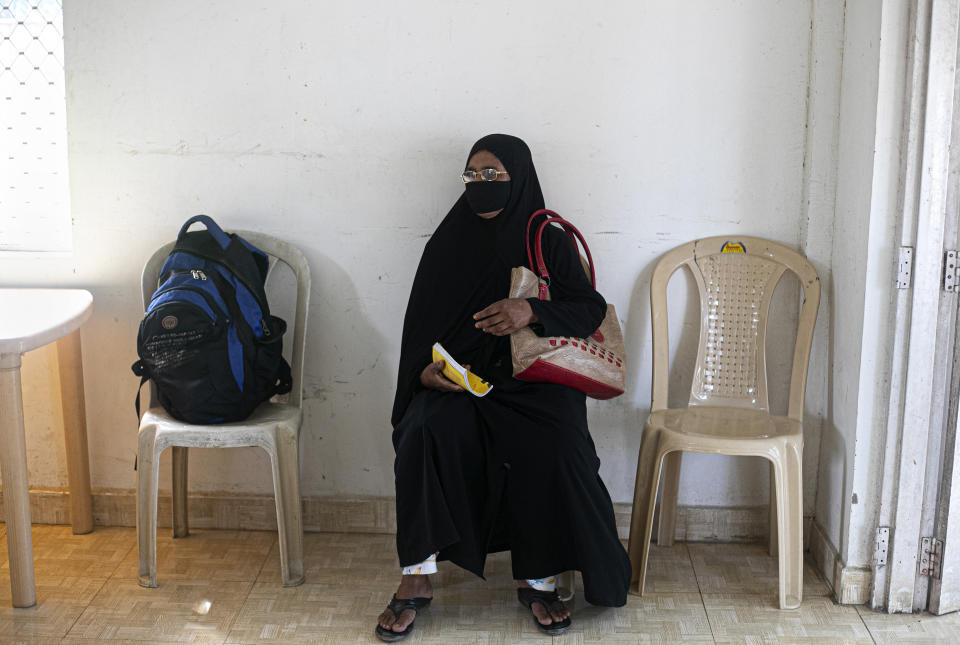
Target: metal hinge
[931, 557]
[951, 272]
[883, 540]
[905, 267]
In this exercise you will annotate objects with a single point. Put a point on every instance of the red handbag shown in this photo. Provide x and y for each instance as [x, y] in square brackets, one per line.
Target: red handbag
[593, 365]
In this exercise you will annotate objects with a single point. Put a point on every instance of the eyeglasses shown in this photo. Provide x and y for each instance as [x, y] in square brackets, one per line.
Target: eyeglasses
[485, 174]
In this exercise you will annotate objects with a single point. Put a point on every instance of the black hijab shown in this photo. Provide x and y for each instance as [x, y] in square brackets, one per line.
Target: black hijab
[465, 267]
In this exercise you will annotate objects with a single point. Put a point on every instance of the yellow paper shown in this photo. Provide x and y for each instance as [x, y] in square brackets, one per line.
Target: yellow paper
[459, 374]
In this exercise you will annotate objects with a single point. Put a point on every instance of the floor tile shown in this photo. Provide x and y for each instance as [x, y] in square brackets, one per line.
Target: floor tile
[58, 552]
[102, 641]
[111, 641]
[670, 570]
[651, 618]
[330, 558]
[911, 628]
[466, 609]
[60, 600]
[368, 559]
[179, 611]
[320, 613]
[487, 617]
[224, 586]
[745, 568]
[206, 555]
[750, 618]
[310, 613]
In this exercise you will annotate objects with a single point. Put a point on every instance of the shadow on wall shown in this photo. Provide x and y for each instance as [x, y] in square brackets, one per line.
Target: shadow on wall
[815, 411]
[348, 390]
[832, 473]
[683, 342]
[683, 334]
[347, 393]
[638, 361]
[832, 481]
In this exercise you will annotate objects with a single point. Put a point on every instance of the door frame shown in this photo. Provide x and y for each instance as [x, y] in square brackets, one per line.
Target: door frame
[919, 398]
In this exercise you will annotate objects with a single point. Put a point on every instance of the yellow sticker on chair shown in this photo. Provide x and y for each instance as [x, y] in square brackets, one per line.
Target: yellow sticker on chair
[460, 374]
[733, 247]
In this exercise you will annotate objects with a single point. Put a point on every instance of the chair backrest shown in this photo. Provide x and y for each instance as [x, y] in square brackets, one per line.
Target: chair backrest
[277, 250]
[736, 277]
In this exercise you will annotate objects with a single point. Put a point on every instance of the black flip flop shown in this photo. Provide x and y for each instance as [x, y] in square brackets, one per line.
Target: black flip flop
[398, 606]
[549, 599]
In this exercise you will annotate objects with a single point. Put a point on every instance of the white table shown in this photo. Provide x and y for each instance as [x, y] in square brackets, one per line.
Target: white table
[31, 318]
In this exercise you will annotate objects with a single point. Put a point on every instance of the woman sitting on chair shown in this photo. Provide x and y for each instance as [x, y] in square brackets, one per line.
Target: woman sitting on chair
[517, 468]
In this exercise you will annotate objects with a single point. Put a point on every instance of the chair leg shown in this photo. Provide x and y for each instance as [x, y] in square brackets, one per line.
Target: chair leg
[16, 490]
[772, 534]
[789, 483]
[148, 475]
[70, 373]
[181, 525]
[668, 499]
[644, 503]
[286, 485]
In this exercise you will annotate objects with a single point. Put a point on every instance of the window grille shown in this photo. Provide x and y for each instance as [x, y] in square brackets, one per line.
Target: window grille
[34, 187]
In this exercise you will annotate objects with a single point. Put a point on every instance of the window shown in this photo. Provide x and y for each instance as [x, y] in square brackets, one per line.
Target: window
[34, 188]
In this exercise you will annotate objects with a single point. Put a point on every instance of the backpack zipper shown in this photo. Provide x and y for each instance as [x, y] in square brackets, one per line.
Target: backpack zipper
[253, 292]
[203, 294]
[213, 322]
[221, 282]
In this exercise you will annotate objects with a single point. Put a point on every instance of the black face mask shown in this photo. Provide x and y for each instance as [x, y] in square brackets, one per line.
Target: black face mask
[487, 196]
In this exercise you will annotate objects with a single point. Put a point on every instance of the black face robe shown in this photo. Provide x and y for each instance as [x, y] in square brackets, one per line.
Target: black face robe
[516, 469]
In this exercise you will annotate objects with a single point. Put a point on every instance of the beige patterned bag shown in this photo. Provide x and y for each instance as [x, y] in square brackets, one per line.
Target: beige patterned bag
[592, 365]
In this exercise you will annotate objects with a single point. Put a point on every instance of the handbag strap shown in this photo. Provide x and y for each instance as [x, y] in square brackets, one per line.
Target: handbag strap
[576, 236]
[549, 214]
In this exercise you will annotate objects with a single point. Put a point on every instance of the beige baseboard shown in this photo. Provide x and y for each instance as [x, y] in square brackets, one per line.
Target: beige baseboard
[850, 585]
[357, 514]
[222, 511]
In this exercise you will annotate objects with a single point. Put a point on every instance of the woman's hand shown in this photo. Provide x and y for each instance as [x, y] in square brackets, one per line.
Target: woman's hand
[504, 317]
[433, 378]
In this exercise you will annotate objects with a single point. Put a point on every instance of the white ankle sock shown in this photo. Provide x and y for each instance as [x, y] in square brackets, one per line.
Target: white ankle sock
[543, 584]
[424, 568]
[429, 566]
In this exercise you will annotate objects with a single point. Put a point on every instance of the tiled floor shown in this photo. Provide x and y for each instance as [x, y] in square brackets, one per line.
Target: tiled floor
[223, 587]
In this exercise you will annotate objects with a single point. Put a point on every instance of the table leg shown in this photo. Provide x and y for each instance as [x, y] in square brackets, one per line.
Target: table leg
[75, 432]
[16, 495]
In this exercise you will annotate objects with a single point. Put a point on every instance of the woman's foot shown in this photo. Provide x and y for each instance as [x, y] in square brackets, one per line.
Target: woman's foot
[544, 617]
[410, 587]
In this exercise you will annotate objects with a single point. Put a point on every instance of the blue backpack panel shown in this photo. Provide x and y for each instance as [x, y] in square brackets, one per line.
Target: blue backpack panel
[208, 340]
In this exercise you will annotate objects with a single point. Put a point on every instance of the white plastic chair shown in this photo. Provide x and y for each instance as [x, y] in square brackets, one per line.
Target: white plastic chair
[275, 427]
[728, 411]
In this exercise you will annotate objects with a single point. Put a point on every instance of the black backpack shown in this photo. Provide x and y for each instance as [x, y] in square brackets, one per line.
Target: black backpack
[208, 340]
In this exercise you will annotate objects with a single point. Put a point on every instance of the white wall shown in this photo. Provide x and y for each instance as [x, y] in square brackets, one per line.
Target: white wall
[343, 126]
[849, 250]
[817, 221]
